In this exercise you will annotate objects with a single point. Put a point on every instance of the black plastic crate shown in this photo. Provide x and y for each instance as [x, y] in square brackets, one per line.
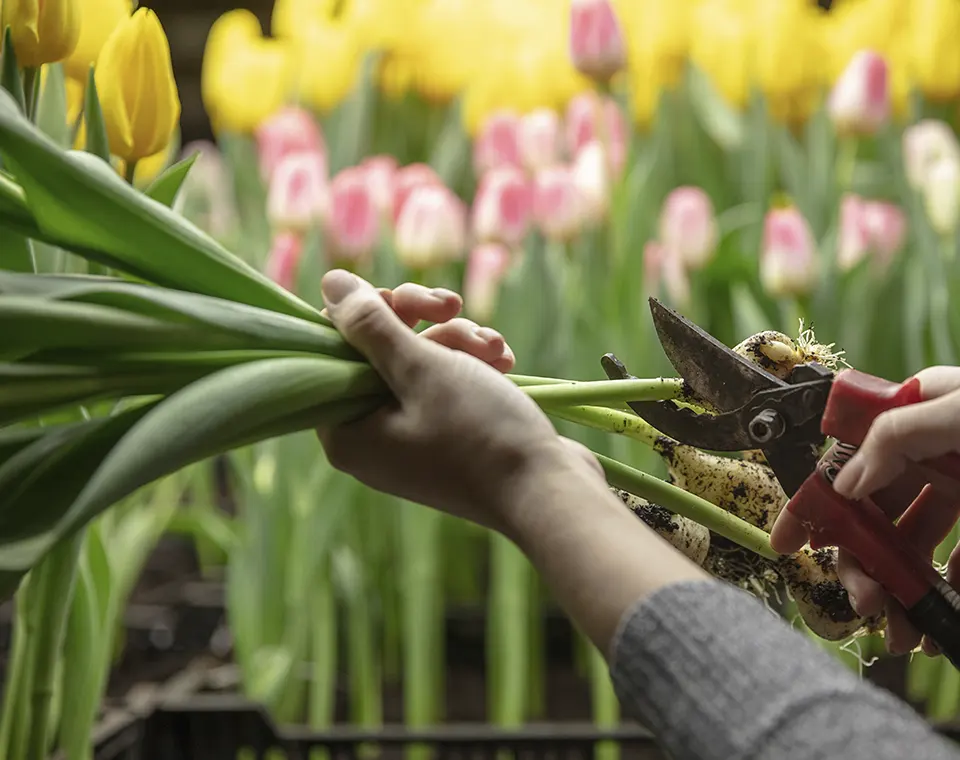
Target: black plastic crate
[214, 727]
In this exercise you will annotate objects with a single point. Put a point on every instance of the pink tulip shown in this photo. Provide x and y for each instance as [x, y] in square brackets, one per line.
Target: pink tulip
[788, 258]
[431, 230]
[663, 270]
[860, 101]
[557, 208]
[876, 229]
[381, 174]
[688, 226]
[487, 265]
[886, 225]
[498, 143]
[597, 47]
[591, 175]
[291, 130]
[924, 144]
[590, 118]
[406, 180]
[539, 139]
[502, 208]
[298, 195]
[284, 259]
[354, 225]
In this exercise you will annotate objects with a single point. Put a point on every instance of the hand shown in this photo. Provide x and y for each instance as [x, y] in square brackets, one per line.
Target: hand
[883, 469]
[459, 435]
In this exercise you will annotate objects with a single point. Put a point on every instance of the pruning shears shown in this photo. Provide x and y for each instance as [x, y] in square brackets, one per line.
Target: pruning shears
[790, 421]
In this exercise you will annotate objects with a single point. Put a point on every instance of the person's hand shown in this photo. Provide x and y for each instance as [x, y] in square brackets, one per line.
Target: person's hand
[883, 469]
[459, 435]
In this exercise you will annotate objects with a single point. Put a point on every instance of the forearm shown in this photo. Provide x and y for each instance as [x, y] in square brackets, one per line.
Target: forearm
[718, 677]
[705, 666]
[596, 557]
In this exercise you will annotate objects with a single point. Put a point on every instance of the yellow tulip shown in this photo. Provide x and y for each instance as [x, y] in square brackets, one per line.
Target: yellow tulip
[98, 19]
[934, 53]
[721, 37]
[289, 16]
[789, 49]
[43, 31]
[395, 75]
[328, 65]
[75, 91]
[138, 93]
[245, 78]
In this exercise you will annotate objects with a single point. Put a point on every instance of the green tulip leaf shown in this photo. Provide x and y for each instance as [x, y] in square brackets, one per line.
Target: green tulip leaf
[97, 143]
[165, 187]
[57, 483]
[76, 198]
[52, 106]
[9, 70]
[258, 328]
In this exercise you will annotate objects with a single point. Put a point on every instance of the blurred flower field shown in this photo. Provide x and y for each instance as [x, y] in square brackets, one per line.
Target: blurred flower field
[756, 164]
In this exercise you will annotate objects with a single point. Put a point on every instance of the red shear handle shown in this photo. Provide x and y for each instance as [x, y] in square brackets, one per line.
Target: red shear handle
[857, 399]
[863, 529]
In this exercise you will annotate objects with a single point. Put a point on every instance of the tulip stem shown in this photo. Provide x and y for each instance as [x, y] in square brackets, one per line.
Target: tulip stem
[130, 172]
[31, 86]
[687, 505]
[600, 392]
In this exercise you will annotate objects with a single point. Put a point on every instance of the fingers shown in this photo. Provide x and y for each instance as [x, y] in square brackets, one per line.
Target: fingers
[371, 326]
[929, 520]
[938, 381]
[414, 303]
[788, 534]
[910, 433]
[867, 597]
[485, 344]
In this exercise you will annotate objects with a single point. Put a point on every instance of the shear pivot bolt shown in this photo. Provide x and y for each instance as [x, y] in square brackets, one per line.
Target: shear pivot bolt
[768, 425]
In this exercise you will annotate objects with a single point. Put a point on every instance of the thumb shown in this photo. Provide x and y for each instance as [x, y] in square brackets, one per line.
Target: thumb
[368, 324]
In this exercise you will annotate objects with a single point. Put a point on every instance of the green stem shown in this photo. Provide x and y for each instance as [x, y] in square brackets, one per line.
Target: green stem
[30, 88]
[687, 505]
[846, 162]
[130, 172]
[605, 391]
[607, 420]
[56, 578]
[15, 685]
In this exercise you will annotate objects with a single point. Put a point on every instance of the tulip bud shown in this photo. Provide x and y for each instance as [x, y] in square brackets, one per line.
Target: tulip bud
[886, 225]
[408, 179]
[688, 226]
[597, 47]
[381, 178]
[557, 208]
[860, 101]
[591, 175]
[98, 19]
[925, 143]
[941, 195]
[869, 228]
[354, 224]
[539, 139]
[498, 143]
[431, 230]
[663, 270]
[298, 196]
[853, 242]
[502, 207]
[138, 94]
[487, 266]
[788, 259]
[284, 259]
[591, 118]
[290, 130]
[42, 32]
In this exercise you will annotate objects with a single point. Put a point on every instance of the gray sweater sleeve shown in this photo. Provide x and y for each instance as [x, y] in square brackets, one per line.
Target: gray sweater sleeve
[717, 676]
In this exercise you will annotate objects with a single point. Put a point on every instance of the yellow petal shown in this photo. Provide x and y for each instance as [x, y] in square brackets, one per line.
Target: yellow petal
[98, 19]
